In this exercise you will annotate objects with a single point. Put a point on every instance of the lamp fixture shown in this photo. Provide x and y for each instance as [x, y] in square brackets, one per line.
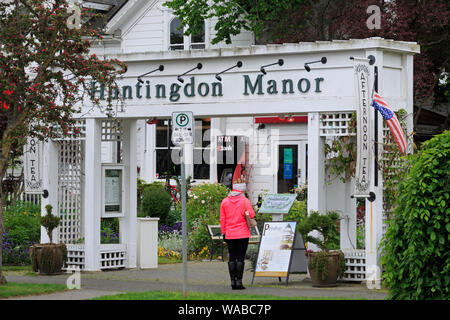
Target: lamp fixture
[199, 66]
[370, 57]
[238, 65]
[280, 62]
[308, 68]
[160, 68]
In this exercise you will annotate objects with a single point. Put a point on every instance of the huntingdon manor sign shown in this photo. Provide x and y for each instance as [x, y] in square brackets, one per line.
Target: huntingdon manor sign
[174, 91]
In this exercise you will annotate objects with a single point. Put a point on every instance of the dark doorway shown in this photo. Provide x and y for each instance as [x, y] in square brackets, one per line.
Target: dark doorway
[287, 168]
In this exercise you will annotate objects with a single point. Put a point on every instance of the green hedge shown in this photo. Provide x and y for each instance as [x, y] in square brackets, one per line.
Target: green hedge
[416, 245]
[156, 202]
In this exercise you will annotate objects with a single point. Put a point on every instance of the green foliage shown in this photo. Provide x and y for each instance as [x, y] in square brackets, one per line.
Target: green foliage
[203, 208]
[205, 201]
[262, 17]
[298, 212]
[22, 223]
[340, 155]
[199, 237]
[109, 230]
[325, 224]
[393, 167]
[50, 221]
[156, 202]
[416, 253]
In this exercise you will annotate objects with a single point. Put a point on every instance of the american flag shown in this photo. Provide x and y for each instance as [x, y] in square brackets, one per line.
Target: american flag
[392, 121]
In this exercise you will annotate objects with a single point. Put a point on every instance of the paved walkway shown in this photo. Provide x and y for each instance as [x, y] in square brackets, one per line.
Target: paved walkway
[205, 276]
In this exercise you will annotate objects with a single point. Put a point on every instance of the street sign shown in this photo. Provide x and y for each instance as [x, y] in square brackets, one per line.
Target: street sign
[182, 127]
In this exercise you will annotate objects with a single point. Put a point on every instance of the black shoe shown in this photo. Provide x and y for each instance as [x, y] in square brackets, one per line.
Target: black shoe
[232, 270]
[239, 274]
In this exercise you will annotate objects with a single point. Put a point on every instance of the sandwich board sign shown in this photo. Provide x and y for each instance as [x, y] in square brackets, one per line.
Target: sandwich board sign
[182, 127]
[281, 251]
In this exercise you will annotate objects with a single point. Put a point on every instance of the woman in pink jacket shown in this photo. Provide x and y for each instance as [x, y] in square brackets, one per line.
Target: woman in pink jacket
[235, 230]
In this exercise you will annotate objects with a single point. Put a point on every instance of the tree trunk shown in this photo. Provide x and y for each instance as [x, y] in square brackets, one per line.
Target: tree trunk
[3, 167]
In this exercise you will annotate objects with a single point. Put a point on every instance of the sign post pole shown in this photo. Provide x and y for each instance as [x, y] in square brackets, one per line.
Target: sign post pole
[182, 134]
[183, 219]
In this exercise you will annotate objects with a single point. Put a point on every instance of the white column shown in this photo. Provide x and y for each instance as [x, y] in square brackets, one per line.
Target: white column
[316, 168]
[92, 195]
[348, 223]
[50, 183]
[408, 67]
[374, 210]
[129, 222]
[147, 163]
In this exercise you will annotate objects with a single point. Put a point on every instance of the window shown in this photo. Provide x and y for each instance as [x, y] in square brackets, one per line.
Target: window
[198, 40]
[176, 35]
[177, 39]
[167, 160]
[202, 149]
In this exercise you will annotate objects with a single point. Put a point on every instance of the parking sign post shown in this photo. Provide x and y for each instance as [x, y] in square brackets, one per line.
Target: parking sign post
[182, 134]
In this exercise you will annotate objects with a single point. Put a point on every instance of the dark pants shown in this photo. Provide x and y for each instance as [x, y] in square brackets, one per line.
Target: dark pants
[237, 249]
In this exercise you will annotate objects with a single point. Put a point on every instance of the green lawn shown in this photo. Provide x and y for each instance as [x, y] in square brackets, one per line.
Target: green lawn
[13, 289]
[178, 295]
[164, 260]
[19, 271]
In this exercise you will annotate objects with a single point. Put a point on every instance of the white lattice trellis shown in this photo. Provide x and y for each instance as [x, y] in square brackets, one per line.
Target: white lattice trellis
[70, 170]
[111, 130]
[355, 265]
[75, 256]
[335, 124]
[76, 132]
[113, 256]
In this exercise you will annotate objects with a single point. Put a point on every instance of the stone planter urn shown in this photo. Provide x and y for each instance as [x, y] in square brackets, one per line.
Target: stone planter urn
[48, 258]
[324, 268]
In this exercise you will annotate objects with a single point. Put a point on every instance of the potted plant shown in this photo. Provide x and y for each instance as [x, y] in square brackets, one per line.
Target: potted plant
[325, 266]
[48, 258]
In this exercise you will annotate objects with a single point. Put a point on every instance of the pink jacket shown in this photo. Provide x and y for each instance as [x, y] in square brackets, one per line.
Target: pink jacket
[232, 218]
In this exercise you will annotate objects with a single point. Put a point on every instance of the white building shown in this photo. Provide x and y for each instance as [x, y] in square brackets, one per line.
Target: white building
[285, 117]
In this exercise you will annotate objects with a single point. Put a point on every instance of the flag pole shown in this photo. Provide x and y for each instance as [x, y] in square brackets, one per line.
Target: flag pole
[375, 121]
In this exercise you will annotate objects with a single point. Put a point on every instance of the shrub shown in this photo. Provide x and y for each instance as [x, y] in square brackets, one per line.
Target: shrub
[156, 201]
[109, 230]
[22, 230]
[205, 201]
[415, 252]
[50, 222]
[325, 224]
[203, 208]
[298, 212]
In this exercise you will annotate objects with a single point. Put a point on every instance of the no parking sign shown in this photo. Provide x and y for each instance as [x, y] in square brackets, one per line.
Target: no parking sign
[182, 127]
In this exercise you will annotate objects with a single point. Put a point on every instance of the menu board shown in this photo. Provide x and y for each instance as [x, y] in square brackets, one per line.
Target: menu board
[275, 249]
[277, 203]
[113, 190]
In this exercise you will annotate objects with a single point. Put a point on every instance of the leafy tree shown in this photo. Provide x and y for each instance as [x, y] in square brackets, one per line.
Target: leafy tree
[281, 21]
[416, 251]
[45, 72]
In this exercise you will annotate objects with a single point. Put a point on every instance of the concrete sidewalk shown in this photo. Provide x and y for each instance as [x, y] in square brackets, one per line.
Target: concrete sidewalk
[204, 276]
